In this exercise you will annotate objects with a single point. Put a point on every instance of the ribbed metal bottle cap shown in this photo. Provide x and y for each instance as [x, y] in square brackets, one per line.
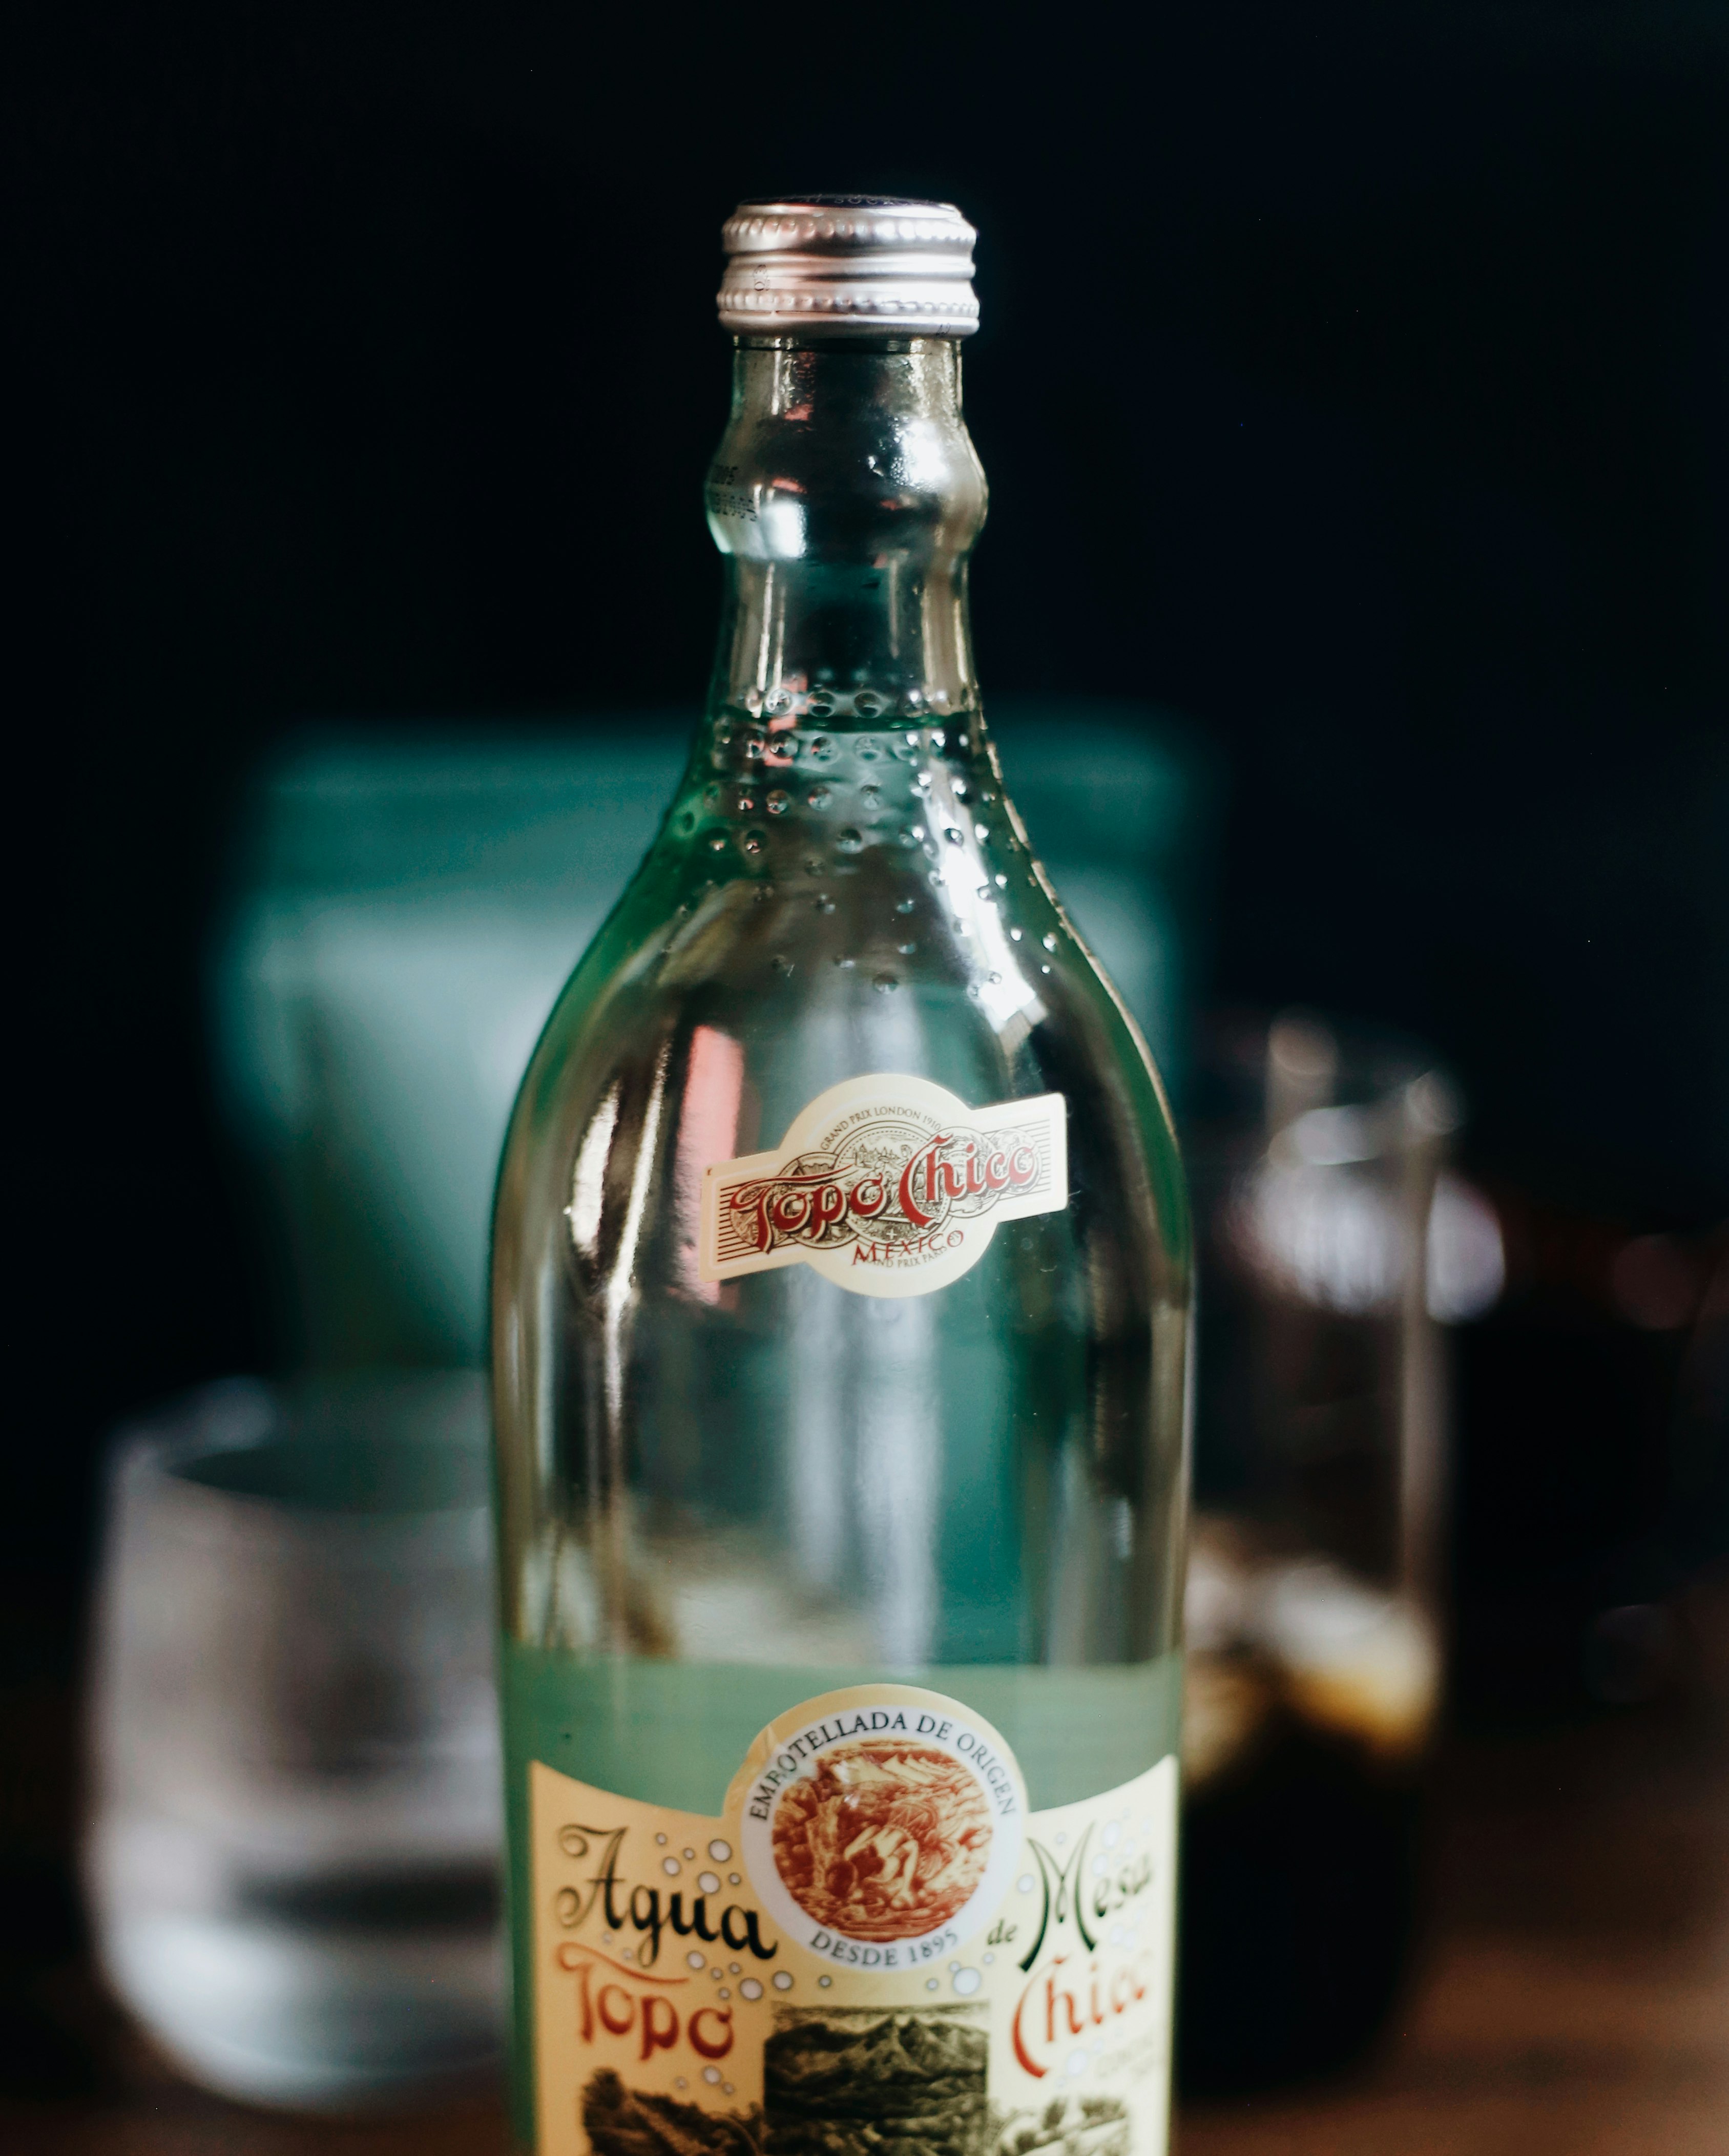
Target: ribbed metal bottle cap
[847, 265]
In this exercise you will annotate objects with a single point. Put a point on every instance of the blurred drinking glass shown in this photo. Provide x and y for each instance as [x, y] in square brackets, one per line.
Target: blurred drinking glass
[293, 1855]
[1332, 1240]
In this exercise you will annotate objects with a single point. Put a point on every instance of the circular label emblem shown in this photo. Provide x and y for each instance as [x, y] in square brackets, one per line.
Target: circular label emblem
[879, 1822]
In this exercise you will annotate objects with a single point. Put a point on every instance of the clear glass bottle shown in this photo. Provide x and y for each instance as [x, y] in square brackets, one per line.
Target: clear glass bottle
[724, 1493]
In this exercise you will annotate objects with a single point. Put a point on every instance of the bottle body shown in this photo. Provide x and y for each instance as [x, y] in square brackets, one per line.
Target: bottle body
[953, 1464]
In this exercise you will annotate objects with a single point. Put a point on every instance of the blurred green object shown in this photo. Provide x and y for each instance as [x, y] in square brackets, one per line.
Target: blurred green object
[408, 904]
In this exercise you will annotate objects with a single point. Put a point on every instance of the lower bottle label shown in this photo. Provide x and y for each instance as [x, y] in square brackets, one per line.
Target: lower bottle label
[876, 1942]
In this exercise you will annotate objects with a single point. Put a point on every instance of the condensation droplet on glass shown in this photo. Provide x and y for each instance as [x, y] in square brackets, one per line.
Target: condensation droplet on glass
[717, 842]
[867, 703]
[996, 980]
[906, 950]
[781, 963]
[954, 836]
[972, 990]
[1014, 935]
[871, 796]
[817, 797]
[1049, 941]
[885, 984]
[981, 830]
[782, 1980]
[842, 958]
[904, 904]
[779, 802]
[778, 701]
[1044, 968]
[986, 894]
[848, 840]
[823, 903]
[746, 804]
[712, 793]
[959, 787]
[1000, 880]
[687, 820]
[821, 748]
[753, 842]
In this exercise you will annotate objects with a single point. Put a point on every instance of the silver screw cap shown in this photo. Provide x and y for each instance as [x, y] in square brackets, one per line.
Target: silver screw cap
[847, 265]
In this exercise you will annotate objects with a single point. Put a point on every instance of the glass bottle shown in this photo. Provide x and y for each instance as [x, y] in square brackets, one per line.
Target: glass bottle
[913, 1439]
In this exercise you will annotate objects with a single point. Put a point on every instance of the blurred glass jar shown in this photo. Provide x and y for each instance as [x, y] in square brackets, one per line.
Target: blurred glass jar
[293, 1854]
[1332, 1241]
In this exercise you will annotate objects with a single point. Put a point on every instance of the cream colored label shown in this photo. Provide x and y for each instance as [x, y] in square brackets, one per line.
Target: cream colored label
[889, 1185]
[875, 1942]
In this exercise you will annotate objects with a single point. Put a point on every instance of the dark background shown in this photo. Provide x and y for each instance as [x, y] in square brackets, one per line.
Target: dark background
[1351, 378]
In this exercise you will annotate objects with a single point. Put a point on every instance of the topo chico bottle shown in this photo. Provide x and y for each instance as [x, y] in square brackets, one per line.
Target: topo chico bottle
[841, 1303]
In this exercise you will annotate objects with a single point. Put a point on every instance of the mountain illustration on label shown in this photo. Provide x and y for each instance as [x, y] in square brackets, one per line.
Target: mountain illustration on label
[887, 1184]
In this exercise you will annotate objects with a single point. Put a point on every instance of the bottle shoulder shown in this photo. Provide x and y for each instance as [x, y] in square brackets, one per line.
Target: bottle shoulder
[749, 996]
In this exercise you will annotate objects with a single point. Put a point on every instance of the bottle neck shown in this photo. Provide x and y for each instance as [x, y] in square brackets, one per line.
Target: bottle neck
[846, 495]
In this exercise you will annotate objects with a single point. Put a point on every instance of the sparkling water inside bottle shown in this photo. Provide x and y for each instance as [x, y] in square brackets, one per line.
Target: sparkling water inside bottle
[722, 1494]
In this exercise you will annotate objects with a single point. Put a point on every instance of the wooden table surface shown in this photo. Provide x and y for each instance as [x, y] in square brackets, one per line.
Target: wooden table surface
[1574, 1999]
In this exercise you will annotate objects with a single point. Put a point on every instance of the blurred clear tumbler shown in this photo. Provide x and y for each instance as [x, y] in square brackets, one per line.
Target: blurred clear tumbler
[293, 1851]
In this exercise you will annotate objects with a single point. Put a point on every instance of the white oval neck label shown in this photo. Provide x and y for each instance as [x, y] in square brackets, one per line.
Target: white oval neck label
[887, 1185]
